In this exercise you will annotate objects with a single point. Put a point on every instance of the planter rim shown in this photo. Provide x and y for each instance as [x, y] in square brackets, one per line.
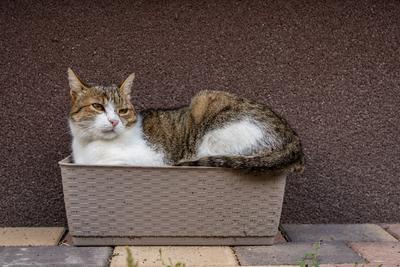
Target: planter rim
[67, 162]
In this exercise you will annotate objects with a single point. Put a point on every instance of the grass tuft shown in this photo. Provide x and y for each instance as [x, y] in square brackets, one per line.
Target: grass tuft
[129, 259]
[311, 259]
[170, 264]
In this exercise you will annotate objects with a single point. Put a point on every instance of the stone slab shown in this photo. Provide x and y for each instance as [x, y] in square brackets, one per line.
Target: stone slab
[336, 232]
[379, 253]
[30, 236]
[348, 265]
[393, 229]
[293, 253]
[190, 255]
[55, 256]
[322, 265]
[274, 266]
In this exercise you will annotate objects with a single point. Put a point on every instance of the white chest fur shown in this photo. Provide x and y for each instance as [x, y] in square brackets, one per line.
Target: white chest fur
[129, 148]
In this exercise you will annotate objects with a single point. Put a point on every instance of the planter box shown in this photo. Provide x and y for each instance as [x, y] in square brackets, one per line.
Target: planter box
[124, 205]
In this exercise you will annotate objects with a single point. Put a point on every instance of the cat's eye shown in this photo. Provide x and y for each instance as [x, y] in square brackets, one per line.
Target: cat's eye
[98, 107]
[123, 111]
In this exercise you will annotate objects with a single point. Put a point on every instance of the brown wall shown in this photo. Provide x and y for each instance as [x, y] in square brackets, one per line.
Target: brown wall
[332, 69]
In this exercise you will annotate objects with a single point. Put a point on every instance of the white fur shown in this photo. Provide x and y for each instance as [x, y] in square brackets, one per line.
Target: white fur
[243, 137]
[123, 146]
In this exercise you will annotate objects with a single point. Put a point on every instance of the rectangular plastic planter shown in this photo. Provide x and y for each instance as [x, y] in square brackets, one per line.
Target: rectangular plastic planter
[124, 205]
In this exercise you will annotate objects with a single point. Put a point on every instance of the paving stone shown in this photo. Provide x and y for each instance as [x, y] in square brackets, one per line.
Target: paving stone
[273, 266]
[30, 236]
[336, 232]
[348, 265]
[322, 265]
[385, 253]
[55, 256]
[293, 253]
[393, 229]
[190, 255]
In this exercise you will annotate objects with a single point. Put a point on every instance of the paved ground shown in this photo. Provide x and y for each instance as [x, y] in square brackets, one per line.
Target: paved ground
[329, 245]
[330, 67]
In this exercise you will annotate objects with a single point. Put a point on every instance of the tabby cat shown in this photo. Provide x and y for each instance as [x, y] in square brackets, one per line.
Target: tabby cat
[217, 129]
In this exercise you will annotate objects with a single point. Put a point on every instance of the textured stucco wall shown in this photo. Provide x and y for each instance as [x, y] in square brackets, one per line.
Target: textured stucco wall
[332, 68]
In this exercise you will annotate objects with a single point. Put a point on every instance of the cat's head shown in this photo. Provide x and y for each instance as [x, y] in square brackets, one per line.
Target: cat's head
[100, 112]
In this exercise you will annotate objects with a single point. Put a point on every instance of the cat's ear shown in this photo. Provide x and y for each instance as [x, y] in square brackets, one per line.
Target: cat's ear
[75, 84]
[126, 86]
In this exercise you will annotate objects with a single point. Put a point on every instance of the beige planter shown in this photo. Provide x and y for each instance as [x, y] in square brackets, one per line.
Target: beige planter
[123, 205]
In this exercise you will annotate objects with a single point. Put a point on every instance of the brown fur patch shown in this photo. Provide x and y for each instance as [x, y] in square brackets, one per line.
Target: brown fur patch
[209, 102]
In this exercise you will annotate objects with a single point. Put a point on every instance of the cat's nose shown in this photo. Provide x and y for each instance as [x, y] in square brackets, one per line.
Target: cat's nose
[114, 122]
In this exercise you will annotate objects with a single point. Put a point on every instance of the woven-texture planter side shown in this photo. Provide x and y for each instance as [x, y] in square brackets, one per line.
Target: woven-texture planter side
[180, 202]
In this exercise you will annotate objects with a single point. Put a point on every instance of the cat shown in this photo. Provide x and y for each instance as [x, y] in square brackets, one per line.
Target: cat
[217, 129]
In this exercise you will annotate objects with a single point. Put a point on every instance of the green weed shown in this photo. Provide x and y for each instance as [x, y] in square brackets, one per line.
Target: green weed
[129, 259]
[311, 259]
[170, 264]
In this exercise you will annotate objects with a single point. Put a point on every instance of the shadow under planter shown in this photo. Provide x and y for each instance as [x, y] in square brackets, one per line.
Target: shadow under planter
[126, 205]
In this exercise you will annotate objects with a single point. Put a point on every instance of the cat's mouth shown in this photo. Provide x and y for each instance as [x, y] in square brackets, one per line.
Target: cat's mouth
[108, 131]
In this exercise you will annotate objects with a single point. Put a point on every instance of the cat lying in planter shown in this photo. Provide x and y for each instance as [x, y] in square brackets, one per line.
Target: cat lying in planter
[217, 129]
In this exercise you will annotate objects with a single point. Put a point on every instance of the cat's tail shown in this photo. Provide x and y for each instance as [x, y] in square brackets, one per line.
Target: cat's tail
[289, 158]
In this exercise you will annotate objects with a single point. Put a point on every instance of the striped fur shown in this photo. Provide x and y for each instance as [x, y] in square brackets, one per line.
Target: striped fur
[216, 129]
